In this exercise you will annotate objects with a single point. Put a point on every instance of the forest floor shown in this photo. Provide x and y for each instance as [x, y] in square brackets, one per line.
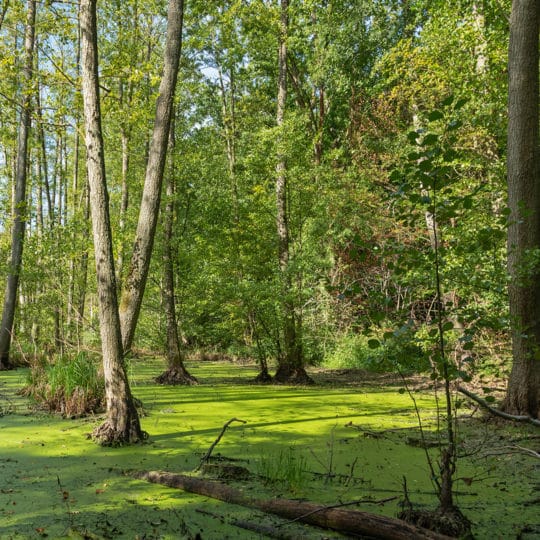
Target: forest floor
[352, 437]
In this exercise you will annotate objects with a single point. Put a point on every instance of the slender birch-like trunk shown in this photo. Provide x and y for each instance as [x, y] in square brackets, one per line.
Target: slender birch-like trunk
[176, 372]
[19, 200]
[122, 423]
[135, 282]
[290, 363]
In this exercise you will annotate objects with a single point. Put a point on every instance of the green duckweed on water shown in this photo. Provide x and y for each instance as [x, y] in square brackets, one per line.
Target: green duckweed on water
[328, 443]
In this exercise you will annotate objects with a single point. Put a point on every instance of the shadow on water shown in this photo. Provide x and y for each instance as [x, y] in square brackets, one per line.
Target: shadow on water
[53, 479]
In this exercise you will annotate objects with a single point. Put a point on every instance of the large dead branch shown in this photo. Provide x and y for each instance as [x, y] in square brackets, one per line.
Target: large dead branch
[497, 412]
[352, 522]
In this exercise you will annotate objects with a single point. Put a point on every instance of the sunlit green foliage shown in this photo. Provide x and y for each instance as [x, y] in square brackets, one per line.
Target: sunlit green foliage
[70, 386]
[362, 76]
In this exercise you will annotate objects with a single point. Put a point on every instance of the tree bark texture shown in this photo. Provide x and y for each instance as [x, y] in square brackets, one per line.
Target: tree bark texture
[351, 522]
[290, 363]
[135, 282]
[523, 396]
[19, 201]
[122, 423]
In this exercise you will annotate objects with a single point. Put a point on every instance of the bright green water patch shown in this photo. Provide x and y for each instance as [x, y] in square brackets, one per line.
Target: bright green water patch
[54, 481]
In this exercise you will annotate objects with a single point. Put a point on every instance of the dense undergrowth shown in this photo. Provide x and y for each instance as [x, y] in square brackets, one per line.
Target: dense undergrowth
[352, 437]
[70, 386]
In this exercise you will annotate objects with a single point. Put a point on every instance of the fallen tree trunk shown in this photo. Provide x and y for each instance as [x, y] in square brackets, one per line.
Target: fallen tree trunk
[344, 521]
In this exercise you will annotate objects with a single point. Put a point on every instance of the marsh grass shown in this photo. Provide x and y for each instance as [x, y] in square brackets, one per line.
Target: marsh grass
[6, 405]
[72, 387]
[286, 468]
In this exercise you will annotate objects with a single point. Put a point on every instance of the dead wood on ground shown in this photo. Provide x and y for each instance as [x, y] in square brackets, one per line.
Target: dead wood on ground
[497, 412]
[352, 522]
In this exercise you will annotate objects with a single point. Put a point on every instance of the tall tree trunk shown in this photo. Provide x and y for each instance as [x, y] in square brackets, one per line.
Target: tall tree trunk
[3, 13]
[124, 203]
[523, 395]
[135, 283]
[122, 423]
[125, 136]
[19, 207]
[480, 50]
[43, 156]
[176, 372]
[290, 363]
[84, 202]
[72, 262]
[83, 270]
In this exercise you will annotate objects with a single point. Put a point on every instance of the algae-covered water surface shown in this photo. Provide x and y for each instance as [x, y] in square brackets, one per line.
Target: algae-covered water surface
[331, 443]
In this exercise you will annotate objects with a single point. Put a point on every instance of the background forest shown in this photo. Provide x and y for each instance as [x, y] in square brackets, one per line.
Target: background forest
[366, 80]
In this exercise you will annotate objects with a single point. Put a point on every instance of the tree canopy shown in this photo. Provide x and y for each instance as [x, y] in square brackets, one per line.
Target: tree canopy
[370, 128]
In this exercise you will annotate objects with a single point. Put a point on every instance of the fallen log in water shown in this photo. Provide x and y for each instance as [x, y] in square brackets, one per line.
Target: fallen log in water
[345, 521]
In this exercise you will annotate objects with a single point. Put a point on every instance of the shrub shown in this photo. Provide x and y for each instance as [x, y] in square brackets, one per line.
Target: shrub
[70, 386]
[400, 353]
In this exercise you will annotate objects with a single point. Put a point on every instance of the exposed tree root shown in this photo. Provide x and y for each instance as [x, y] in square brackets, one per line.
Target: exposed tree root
[176, 376]
[296, 376]
[497, 412]
[263, 377]
[345, 521]
[6, 365]
[109, 435]
[226, 471]
[450, 522]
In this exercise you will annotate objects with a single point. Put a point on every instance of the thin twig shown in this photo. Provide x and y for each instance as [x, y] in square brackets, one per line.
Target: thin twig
[434, 477]
[351, 472]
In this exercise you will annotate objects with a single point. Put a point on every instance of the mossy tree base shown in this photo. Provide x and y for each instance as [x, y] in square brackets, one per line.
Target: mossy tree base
[176, 376]
[263, 377]
[110, 435]
[5, 364]
[292, 375]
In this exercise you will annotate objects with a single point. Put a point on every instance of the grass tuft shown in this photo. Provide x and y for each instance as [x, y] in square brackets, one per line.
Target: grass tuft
[286, 468]
[72, 387]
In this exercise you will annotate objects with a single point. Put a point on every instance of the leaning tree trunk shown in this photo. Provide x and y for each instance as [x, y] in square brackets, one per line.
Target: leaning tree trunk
[19, 206]
[122, 423]
[176, 372]
[523, 395]
[135, 283]
[290, 363]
